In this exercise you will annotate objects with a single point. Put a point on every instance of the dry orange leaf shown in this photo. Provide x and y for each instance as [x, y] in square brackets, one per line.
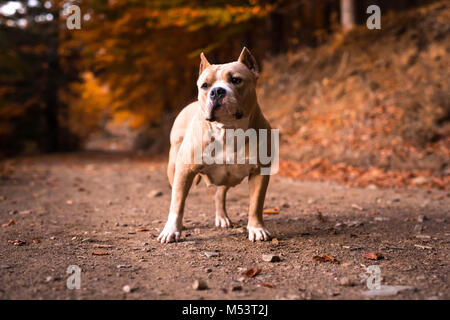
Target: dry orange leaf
[373, 255]
[252, 272]
[271, 211]
[267, 285]
[326, 258]
[10, 223]
[142, 229]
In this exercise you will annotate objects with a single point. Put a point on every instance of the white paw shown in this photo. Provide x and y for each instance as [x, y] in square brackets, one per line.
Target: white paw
[170, 233]
[258, 234]
[223, 222]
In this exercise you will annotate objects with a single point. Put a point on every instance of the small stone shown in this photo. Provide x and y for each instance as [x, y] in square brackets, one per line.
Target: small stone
[199, 285]
[275, 241]
[52, 238]
[208, 270]
[418, 228]
[271, 258]
[127, 289]
[5, 266]
[420, 180]
[154, 194]
[346, 282]
[74, 238]
[49, 278]
[211, 254]
[421, 218]
[236, 287]
[423, 247]
[123, 266]
[87, 240]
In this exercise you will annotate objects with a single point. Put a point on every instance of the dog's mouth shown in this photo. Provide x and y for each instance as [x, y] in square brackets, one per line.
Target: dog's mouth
[221, 106]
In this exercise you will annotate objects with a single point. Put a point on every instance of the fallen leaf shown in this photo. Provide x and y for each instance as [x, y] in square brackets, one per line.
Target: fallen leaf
[36, 240]
[275, 241]
[250, 273]
[326, 258]
[267, 285]
[142, 229]
[100, 253]
[25, 212]
[373, 255]
[271, 211]
[10, 223]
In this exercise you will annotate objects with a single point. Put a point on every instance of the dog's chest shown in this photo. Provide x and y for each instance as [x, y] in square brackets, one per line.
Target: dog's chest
[228, 174]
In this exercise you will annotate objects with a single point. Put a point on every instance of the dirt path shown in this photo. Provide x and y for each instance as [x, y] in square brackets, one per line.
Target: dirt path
[84, 204]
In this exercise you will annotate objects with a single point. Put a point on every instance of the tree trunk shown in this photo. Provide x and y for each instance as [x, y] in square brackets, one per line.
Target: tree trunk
[51, 93]
[348, 14]
[276, 33]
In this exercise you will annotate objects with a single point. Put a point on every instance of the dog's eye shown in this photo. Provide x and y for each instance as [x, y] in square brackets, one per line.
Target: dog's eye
[236, 80]
[204, 85]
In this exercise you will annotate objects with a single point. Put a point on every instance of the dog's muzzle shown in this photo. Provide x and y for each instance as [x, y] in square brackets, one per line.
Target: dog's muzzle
[216, 96]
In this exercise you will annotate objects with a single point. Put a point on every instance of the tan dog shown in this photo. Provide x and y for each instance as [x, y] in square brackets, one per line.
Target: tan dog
[226, 100]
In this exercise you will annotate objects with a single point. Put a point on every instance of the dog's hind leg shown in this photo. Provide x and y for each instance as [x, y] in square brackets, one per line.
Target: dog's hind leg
[222, 219]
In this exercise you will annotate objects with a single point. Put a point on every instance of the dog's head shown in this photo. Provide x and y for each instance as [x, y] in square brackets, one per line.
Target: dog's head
[227, 91]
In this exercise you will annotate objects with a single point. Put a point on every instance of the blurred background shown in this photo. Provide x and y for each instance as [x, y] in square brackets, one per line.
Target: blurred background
[358, 106]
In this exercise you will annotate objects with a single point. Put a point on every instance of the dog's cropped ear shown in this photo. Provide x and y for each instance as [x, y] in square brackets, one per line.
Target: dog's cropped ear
[203, 63]
[247, 59]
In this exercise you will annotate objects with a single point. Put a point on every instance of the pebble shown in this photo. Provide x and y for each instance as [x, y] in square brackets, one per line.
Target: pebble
[155, 193]
[87, 240]
[211, 254]
[199, 285]
[346, 282]
[5, 266]
[421, 218]
[127, 289]
[271, 258]
[236, 287]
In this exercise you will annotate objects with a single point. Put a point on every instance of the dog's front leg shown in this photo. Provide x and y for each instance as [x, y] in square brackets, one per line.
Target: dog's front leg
[222, 219]
[181, 185]
[257, 186]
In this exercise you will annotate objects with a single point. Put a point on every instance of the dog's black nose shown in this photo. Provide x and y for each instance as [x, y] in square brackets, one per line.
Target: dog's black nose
[217, 93]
